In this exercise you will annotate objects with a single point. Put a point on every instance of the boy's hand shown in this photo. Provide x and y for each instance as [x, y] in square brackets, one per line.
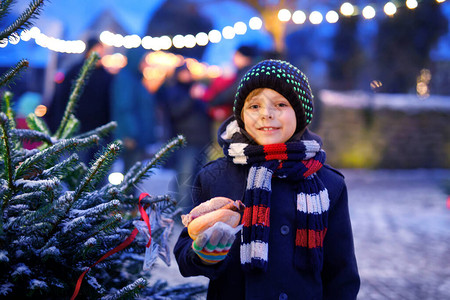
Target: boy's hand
[212, 246]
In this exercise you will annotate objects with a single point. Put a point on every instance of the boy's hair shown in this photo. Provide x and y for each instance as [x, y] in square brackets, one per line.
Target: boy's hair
[283, 78]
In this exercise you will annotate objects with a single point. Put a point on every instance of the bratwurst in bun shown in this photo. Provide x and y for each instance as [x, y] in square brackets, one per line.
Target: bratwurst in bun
[206, 214]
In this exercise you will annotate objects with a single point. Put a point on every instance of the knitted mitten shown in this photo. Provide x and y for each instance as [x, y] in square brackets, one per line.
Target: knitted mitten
[213, 245]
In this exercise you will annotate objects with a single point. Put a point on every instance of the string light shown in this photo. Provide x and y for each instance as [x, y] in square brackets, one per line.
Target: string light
[215, 36]
[240, 28]
[368, 12]
[228, 32]
[332, 17]
[347, 9]
[315, 17]
[411, 4]
[202, 38]
[255, 23]
[390, 9]
[299, 17]
[284, 15]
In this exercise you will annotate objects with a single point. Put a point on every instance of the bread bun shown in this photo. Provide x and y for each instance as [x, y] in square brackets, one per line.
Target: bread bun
[200, 224]
[204, 208]
[206, 214]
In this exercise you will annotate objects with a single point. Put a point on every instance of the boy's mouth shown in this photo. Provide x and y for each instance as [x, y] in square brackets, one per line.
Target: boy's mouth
[268, 128]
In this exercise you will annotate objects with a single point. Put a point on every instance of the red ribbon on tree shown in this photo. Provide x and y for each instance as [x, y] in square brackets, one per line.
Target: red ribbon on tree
[122, 246]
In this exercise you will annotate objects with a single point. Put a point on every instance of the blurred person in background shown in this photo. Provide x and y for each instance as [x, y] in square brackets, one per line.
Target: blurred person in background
[220, 93]
[94, 105]
[187, 115]
[133, 108]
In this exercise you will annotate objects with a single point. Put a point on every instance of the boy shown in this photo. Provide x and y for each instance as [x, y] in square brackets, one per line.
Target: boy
[296, 241]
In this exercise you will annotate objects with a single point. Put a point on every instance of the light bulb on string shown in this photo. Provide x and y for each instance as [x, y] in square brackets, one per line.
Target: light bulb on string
[368, 12]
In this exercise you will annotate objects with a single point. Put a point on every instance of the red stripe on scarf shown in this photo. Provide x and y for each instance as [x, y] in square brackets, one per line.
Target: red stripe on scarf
[312, 165]
[256, 215]
[275, 151]
[310, 238]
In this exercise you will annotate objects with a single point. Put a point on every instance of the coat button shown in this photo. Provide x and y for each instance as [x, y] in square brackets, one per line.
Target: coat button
[284, 229]
[283, 296]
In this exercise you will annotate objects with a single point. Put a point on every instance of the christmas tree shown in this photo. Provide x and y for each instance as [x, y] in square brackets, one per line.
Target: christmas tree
[64, 232]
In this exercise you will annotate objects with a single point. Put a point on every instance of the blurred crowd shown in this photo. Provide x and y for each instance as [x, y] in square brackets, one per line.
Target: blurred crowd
[152, 101]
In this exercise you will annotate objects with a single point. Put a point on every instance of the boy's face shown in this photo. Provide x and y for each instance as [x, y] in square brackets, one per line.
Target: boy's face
[268, 117]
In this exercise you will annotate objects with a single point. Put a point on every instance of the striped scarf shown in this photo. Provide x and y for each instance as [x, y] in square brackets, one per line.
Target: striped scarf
[298, 161]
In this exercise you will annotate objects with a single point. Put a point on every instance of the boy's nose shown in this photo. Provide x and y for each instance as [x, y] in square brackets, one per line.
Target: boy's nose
[267, 112]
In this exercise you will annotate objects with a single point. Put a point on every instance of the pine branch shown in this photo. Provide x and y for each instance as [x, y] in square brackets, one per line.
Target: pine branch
[24, 20]
[157, 160]
[37, 185]
[101, 131]
[38, 124]
[98, 168]
[7, 108]
[73, 124]
[27, 198]
[5, 8]
[131, 291]
[19, 155]
[36, 162]
[32, 135]
[13, 72]
[79, 84]
[59, 170]
[107, 226]
[99, 210]
[153, 200]
[7, 153]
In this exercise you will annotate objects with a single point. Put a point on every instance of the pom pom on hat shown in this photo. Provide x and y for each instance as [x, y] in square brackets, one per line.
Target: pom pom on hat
[282, 77]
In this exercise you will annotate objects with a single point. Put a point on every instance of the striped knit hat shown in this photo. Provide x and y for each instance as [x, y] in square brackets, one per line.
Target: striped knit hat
[285, 79]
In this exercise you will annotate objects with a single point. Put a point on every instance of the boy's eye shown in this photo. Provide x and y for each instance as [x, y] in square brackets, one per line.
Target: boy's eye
[253, 106]
[282, 104]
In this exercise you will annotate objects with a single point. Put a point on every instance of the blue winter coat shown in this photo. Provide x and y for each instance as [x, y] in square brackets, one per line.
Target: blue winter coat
[339, 278]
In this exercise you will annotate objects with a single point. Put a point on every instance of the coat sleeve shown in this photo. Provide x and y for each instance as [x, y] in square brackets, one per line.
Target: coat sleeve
[340, 273]
[189, 263]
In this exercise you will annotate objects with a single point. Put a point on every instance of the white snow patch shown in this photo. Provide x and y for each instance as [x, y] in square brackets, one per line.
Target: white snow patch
[90, 242]
[4, 256]
[36, 284]
[52, 251]
[6, 288]
[21, 270]
[38, 184]
[69, 225]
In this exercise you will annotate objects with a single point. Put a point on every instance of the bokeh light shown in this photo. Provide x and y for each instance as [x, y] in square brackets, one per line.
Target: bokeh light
[14, 38]
[25, 35]
[315, 17]
[299, 17]
[178, 41]
[390, 9]
[215, 36]
[255, 23]
[347, 9]
[284, 15]
[411, 4]
[201, 39]
[189, 41]
[40, 110]
[332, 16]
[368, 12]
[228, 32]
[375, 85]
[115, 178]
[240, 28]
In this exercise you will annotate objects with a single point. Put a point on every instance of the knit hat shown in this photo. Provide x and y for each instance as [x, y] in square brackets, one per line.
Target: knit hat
[285, 79]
